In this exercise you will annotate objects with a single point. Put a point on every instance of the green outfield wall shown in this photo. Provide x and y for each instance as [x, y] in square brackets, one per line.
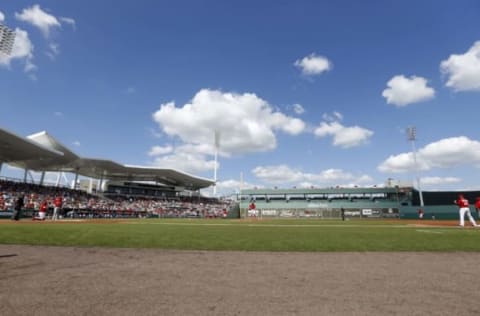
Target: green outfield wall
[434, 212]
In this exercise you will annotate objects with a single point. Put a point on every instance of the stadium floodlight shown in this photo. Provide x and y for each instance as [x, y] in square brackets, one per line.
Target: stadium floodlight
[217, 146]
[412, 136]
[7, 38]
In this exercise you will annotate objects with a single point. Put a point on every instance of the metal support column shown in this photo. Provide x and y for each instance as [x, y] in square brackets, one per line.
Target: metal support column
[74, 184]
[42, 177]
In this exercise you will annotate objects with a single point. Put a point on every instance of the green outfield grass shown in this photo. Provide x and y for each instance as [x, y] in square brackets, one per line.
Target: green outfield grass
[261, 235]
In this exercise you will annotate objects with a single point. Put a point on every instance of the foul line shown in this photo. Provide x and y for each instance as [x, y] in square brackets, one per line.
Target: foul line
[283, 225]
[429, 231]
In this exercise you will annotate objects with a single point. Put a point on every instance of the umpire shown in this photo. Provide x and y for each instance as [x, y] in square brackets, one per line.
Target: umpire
[17, 210]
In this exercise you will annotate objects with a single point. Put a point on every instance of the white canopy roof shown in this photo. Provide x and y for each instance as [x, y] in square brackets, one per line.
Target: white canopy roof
[42, 152]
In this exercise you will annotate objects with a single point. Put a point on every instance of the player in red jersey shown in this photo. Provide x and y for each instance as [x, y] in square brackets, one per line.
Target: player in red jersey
[42, 211]
[57, 203]
[464, 209]
[477, 206]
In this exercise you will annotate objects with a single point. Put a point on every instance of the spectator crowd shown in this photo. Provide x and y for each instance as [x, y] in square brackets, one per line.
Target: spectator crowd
[79, 204]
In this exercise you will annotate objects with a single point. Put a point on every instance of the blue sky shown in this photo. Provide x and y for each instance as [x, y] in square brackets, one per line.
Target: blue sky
[302, 93]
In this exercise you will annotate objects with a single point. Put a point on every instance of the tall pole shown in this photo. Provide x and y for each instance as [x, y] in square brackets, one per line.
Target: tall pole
[74, 185]
[59, 177]
[412, 136]
[42, 177]
[217, 145]
[240, 197]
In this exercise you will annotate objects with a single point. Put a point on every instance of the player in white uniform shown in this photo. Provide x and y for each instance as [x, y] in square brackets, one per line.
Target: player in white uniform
[464, 209]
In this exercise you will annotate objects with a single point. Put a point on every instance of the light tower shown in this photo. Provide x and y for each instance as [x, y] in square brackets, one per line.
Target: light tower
[412, 136]
[217, 146]
[7, 38]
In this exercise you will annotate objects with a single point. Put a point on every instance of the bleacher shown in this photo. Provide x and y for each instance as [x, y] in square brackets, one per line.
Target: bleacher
[325, 203]
[79, 204]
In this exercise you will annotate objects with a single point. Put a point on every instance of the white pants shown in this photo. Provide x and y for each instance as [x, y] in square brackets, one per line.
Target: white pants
[55, 213]
[41, 216]
[462, 212]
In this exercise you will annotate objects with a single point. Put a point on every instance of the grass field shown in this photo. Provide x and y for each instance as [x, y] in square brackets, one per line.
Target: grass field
[246, 235]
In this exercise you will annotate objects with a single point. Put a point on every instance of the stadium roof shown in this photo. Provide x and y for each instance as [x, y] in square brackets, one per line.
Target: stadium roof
[42, 152]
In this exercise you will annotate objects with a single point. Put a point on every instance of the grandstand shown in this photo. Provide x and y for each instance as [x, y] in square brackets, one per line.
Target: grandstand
[119, 191]
[372, 202]
[325, 203]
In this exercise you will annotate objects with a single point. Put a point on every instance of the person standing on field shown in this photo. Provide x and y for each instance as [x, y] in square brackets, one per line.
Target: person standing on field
[420, 213]
[17, 211]
[57, 203]
[477, 206]
[42, 211]
[464, 209]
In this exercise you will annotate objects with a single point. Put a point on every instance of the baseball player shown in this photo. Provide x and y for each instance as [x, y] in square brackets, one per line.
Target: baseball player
[42, 211]
[57, 203]
[420, 213]
[464, 209]
[477, 206]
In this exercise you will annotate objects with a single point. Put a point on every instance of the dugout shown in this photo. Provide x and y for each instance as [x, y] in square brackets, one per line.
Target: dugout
[438, 204]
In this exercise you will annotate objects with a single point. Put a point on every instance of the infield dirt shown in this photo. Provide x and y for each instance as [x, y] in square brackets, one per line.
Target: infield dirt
[100, 281]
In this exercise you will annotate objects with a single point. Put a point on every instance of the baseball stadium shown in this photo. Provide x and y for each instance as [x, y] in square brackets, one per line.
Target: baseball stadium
[126, 221]
[115, 113]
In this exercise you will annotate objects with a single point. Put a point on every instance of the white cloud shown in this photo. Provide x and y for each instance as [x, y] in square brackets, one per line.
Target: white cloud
[30, 66]
[193, 158]
[58, 113]
[45, 22]
[439, 180]
[197, 149]
[76, 143]
[343, 136]
[38, 18]
[463, 71]
[22, 49]
[229, 187]
[159, 150]
[54, 50]
[298, 109]
[278, 174]
[452, 151]
[313, 64]
[245, 122]
[2, 17]
[283, 174]
[399, 163]
[335, 116]
[234, 185]
[188, 162]
[402, 91]
[68, 21]
[445, 153]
